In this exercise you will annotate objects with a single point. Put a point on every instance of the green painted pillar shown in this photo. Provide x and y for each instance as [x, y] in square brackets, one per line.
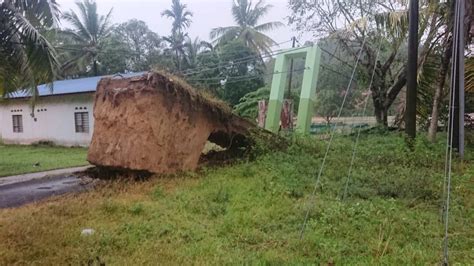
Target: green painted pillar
[308, 90]
[272, 123]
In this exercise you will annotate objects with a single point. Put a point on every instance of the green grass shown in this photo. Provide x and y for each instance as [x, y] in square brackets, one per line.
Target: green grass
[18, 159]
[252, 212]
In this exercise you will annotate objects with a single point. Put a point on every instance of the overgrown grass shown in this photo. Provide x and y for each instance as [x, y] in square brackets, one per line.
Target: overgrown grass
[16, 159]
[252, 213]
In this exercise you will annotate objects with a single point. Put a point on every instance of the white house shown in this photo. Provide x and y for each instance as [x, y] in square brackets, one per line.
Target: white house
[63, 115]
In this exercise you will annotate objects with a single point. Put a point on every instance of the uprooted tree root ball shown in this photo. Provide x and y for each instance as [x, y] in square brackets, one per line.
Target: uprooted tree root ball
[158, 123]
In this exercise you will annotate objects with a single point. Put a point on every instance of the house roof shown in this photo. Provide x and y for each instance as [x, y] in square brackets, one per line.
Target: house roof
[69, 86]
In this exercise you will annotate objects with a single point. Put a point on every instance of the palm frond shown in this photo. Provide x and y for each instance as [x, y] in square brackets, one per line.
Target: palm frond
[469, 76]
[427, 81]
[180, 15]
[225, 33]
[104, 30]
[269, 26]
[28, 59]
[79, 28]
[167, 13]
[260, 10]
[262, 43]
[246, 17]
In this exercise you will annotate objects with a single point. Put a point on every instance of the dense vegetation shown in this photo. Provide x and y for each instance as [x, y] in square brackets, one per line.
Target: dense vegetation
[239, 58]
[252, 212]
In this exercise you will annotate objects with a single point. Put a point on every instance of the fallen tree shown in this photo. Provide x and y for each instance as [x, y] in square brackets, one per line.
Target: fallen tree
[158, 123]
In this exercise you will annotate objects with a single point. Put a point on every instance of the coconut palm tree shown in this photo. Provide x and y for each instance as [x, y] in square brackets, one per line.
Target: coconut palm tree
[26, 56]
[247, 29]
[181, 17]
[87, 36]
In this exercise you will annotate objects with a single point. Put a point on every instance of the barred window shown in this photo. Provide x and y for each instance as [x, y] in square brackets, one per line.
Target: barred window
[17, 123]
[81, 121]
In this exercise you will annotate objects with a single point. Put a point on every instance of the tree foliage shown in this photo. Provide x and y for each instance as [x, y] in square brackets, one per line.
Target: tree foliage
[27, 58]
[247, 29]
[241, 77]
[142, 46]
[366, 25]
[87, 37]
[180, 15]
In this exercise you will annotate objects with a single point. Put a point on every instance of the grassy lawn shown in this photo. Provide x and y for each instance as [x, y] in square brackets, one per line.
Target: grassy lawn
[17, 159]
[252, 212]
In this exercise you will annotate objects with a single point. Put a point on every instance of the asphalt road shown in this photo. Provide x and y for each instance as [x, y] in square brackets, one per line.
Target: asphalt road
[17, 194]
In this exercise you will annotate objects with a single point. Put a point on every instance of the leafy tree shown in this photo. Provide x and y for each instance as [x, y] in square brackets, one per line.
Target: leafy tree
[26, 57]
[328, 103]
[247, 29]
[206, 71]
[380, 22]
[248, 104]
[115, 56]
[141, 45]
[86, 38]
[180, 15]
[241, 77]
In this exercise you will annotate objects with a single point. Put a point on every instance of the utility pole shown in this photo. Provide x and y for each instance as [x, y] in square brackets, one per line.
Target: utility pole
[411, 93]
[291, 70]
[462, 100]
[458, 76]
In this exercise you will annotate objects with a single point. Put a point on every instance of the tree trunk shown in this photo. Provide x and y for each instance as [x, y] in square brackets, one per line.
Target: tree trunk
[178, 63]
[378, 114]
[381, 116]
[433, 129]
[379, 97]
[385, 118]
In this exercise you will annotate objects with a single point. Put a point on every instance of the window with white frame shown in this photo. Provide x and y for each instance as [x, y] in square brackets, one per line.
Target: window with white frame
[81, 122]
[17, 123]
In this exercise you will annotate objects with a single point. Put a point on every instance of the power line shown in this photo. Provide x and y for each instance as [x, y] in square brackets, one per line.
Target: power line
[449, 145]
[333, 55]
[231, 63]
[326, 67]
[230, 53]
[244, 77]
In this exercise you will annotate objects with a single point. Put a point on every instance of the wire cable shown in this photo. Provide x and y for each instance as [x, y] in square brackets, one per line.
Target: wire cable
[449, 145]
[333, 130]
[333, 55]
[244, 77]
[360, 128]
[231, 63]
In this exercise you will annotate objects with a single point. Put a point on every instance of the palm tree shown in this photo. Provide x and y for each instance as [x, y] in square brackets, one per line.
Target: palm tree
[181, 17]
[247, 30]
[177, 43]
[87, 37]
[26, 57]
[192, 50]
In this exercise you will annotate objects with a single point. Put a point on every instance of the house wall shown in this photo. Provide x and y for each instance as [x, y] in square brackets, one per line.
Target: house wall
[55, 123]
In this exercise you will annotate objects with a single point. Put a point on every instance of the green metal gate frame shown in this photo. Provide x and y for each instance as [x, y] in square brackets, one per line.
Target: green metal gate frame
[308, 89]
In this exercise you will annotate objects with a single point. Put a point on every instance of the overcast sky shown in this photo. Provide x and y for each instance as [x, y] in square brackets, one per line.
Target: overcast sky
[208, 14]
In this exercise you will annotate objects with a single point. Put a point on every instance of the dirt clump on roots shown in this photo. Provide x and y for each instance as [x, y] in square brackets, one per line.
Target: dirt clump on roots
[160, 124]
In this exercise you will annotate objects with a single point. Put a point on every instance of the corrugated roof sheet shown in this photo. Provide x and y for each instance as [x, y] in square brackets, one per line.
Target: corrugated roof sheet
[70, 86]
